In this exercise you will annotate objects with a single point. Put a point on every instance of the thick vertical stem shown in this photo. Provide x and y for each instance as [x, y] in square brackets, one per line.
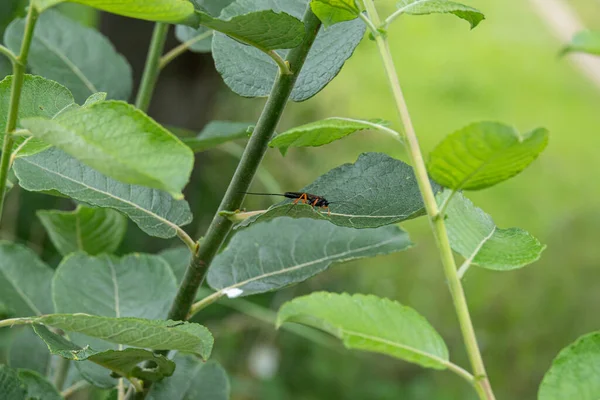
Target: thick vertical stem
[15, 96]
[247, 167]
[152, 68]
[482, 383]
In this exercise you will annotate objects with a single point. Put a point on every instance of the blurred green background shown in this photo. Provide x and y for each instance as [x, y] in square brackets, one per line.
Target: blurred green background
[505, 70]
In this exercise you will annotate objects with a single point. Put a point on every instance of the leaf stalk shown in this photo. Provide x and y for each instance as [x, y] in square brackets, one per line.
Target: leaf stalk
[182, 48]
[152, 67]
[9, 54]
[15, 96]
[482, 386]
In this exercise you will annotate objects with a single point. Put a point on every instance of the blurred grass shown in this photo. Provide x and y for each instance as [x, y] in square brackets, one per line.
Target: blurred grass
[507, 70]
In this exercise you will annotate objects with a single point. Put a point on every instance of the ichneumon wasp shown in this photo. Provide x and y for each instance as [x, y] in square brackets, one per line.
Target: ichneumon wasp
[305, 198]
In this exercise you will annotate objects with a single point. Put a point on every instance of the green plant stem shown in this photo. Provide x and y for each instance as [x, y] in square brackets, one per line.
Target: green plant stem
[482, 384]
[15, 97]
[77, 386]
[11, 56]
[61, 373]
[9, 323]
[182, 48]
[151, 70]
[242, 178]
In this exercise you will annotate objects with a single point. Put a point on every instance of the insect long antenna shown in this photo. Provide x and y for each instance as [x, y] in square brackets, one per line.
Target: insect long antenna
[264, 194]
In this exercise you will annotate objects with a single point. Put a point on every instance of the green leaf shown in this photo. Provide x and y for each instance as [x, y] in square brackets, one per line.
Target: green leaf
[178, 259]
[271, 255]
[421, 7]
[80, 58]
[11, 387]
[122, 362]
[331, 12]
[585, 42]
[375, 191]
[37, 386]
[484, 154]
[144, 154]
[156, 334]
[28, 351]
[575, 372]
[193, 380]
[5, 68]
[24, 281]
[265, 30]
[154, 211]
[323, 132]
[251, 73]
[474, 236]
[95, 98]
[370, 323]
[41, 98]
[152, 10]
[199, 40]
[218, 132]
[92, 230]
[136, 285]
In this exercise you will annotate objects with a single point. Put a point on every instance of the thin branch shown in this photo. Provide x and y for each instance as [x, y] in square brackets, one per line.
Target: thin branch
[438, 226]
[77, 386]
[182, 48]
[8, 53]
[151, 70]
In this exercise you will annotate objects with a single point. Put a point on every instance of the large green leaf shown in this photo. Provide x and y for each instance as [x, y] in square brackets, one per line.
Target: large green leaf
[421, 7]
[265, 30]
[122, 362]
[218, 132]
[24, 281]
[78, 57]
[377, 190]
[331, 12]
[151, 10]
[575, 372]
[136, 285]
[40, 97]
[271, 255]
[28, 351]
[372, 324]
[156, 334]
[37, 386]
[322, 132]
[484, 154]
[178, 259]
[11, 387]
[585, 42]
[474, 236]
[87, 229]
[251, 73]
[154, 211]
[122, 142]
[192, 380]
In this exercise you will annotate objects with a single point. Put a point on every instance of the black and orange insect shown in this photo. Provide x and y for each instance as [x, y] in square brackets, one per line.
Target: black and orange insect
[305, 198]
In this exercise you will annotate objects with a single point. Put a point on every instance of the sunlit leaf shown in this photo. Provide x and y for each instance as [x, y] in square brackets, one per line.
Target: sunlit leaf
[122, 362]
[484, 154]
[370, 323]
[151, 10]
[87, 229]
[421, 7]
[155, 334]
[78, 57]
[193, 379]
[40, 97]
[323, 132]
[24, 281]
[575, 372]
[266, 29]
[218, 132]
[251, 73]
[334, 11]
[120, 141]
[474, 235]
[585, 42]
[376, 190]
[271, 255]
[154, 211]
